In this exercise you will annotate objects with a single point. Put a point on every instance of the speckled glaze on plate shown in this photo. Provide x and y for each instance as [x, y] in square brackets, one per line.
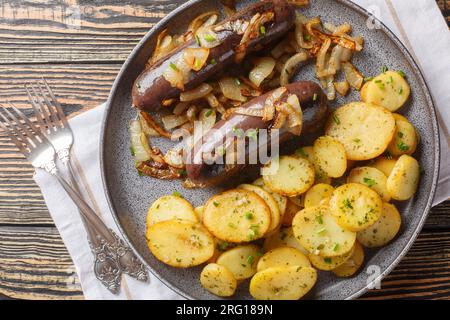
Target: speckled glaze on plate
[130, 195]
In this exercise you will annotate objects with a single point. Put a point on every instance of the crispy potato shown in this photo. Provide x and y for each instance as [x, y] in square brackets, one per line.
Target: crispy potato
[356, 206]
[285, 237]
[405, 137]
[352, 265]
[364, 130]
[283, 283]
[241, 260]
[288, 176]
[318, 232]
[384, 230]
[199, 212]
[308, 154]
[282, 257]
[329, 263]
[329, 154]
[169, 208]
[180, 243]
[270, 201]
[218, 280]
[237, 216]
[371, 177]
[389, 90]
[291, 210]
[384, 164]
[281, 200]
[404, 179]
[317, 193]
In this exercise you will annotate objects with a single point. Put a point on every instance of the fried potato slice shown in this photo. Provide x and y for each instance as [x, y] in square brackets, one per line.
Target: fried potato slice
[330, 156]
[308, 154]
[270, 201]
[282, 257]
[389, 90]
[180, 243]
[372, 178]
[329, 263]
[169, 208]
[284, 237]
[356, 206]
[218, 280]
[317, 193]
[353, 264]
[384, 230]
[384, 164]
[364, 130]
[318, 232]
[237, 215]
[404, 179]
[282, 283]
[241, 260]
[288, 176]
[405, 137]
[281, 200]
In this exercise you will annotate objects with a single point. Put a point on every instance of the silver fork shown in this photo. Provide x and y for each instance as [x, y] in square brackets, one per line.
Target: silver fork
[54, 126]
[41, 154]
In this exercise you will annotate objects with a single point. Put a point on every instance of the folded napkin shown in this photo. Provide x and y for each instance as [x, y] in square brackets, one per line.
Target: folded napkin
[418, 24]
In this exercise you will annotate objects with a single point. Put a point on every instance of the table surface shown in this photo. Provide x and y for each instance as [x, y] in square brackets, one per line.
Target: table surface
[79, 47]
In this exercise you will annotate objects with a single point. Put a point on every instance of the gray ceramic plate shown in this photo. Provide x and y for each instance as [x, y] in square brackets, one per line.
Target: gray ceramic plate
[130, 195]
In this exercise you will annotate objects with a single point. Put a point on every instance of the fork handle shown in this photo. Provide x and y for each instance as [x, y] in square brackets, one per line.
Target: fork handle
[125, 257]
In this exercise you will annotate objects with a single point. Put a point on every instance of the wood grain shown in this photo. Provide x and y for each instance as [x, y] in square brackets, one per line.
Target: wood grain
[79, 46]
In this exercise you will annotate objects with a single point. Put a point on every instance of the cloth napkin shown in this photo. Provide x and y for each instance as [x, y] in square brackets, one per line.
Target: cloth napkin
[419, 24]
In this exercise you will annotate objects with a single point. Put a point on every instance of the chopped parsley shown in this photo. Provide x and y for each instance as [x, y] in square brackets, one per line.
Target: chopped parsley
[402, 73]
[209, 38]
[176, 194]
[222, 246]
[250, 259]
[197, 39]
[336, 247]
[212, 61]
[302, 152]
[348, 204]
[367, 79]
[249, 215]
[253, 134]
[315, 97]
[380, 84]
[384, 69]
[132, 151]
[402, 146]
[216, 204]
[208, 113]
[336, 119]
[400, 91]
[327, 260]
[307, 37]
[319, 219]
[232, 225]
[370, 182]
[173, 66]
[321, 231]
[400, 134]
[262, 30]
[183, 172]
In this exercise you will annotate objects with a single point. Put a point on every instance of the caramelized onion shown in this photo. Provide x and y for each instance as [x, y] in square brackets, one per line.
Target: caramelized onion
[157, 171]
[154, 125]
[195, 58]
[208, 119]
[353, 76]
[172, 121]
[203, 20]
[196, 93]
[231, 89]
[342, 87]
[291, 65]
[146, 129]
[262, 69]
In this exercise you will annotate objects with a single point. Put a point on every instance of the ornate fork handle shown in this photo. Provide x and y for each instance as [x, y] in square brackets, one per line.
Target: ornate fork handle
[122, 253]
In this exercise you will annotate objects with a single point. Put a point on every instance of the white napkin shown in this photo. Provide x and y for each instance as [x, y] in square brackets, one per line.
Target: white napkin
[419, 25]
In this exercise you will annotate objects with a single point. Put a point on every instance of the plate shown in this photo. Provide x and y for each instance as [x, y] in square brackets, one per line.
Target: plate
[130, 195]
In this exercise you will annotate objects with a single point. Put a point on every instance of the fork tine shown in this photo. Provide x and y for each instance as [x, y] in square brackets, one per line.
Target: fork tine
[39, 115]
[59, 109]
[42, 107]
[33, 138]
[51, 108]
[12, 132]
[22, 148]
[24, 117]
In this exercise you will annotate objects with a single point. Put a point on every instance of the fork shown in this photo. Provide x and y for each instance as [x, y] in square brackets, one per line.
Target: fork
[55, 127]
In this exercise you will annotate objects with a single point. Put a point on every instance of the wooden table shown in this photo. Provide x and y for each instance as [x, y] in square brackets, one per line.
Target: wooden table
[80, 48]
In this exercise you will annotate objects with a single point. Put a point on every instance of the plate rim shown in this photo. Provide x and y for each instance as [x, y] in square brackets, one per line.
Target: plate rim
[418, 72]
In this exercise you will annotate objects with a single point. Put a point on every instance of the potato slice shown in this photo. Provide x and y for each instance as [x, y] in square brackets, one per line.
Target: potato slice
[284, 237]
[329, 263]
[356, 206]
[308, 154]
[404, 179]
[291, 210]
[199, 212]
[364, 130]
[288, 176]
[384, 230]
[329, 154]
[281, 200]
[372, 178]
[352, 265]
[169, 208]
[389, 90]
[237, 216]
[270, 201]
[218, 280]
[405, 137]
[384, 164]
[317, 193]
[241, 261]
[283, 283]
[282, 257]
[318, 232]
[180, 243]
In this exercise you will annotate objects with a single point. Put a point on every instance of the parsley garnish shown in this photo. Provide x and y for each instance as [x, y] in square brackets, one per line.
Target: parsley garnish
[384, 69]
[262, 30]
[173, 66]
[212, 61]
[348, 204]
[216, 204]
[336, 119]
[370, 182]
[250, 260]
[307, 37]
[208, 113]
[249, 215]
[176, 194]
[402, 146]
[132, 151]
[319, 219]
[315, 97]
[401, 73]
[209, 38]
[302, 153]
